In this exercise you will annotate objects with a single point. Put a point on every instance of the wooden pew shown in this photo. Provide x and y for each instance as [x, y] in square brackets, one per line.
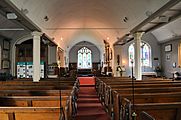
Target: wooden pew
[100, 83]
[160, 111]
[141, 98]
[33, 101]
[28, 87]
[39, 101]
[109, 93]
[34, 92]
[29, 95]
[30, 113]
[105, 90]
[146, 93]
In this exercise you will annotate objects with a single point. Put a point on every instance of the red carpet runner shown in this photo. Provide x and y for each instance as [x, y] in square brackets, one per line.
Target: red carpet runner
[87, 80]
[88, 105]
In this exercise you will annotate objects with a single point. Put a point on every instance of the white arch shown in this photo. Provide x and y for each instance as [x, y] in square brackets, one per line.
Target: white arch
[18, 41]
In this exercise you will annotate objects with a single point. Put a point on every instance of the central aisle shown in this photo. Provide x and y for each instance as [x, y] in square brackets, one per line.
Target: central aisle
[88, 105]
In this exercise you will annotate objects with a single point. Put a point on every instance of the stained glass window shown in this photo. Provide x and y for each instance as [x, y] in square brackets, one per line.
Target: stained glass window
[145, 54]
[84, 58]
[131, 54]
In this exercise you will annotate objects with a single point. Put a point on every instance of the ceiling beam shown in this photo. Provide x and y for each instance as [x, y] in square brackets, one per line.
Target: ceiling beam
[159, 12]
[22, 19]
[175, 10]
[175, 17]
[167, 7]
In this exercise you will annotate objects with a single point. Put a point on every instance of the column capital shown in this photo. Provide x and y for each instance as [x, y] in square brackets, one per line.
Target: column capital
[138, 35]
[36, 33]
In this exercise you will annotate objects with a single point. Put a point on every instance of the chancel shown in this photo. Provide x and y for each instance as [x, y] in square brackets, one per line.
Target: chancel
[90, 59]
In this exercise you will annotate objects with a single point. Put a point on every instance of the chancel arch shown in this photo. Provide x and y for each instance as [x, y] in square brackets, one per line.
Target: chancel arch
[81, 49]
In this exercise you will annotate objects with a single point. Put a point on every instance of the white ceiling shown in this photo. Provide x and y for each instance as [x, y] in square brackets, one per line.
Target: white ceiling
[92, 20]
[169, 31]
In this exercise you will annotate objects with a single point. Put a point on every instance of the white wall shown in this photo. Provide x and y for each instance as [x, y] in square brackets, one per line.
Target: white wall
[167, 64]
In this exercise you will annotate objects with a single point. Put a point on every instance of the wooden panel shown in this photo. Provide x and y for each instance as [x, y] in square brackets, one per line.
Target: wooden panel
[11, 116]
[46, 103]
[21, 103]
[162, 114]
[37, 116]
[3, 116]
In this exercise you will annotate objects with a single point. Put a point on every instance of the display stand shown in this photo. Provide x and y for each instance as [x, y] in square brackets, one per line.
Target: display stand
[25, 70]
[21, 70]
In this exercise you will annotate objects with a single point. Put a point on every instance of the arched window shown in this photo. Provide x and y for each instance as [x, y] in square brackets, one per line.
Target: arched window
[84, 58]
[131, 54]
[145, 54]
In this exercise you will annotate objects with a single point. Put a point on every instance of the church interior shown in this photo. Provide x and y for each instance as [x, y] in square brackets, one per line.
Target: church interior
[90, 59]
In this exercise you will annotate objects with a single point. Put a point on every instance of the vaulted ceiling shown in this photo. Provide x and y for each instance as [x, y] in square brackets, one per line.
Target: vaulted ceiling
[72, 21]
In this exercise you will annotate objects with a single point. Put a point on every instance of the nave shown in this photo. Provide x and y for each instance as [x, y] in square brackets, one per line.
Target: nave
[51, 49]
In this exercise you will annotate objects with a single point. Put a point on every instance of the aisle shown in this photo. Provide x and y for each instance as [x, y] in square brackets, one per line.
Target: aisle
[89, 106]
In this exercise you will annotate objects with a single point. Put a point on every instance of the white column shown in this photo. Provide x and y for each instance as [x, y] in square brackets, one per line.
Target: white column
[138, 71]
[36, 55]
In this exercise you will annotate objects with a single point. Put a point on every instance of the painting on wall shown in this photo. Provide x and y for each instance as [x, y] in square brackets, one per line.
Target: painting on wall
[168, 48]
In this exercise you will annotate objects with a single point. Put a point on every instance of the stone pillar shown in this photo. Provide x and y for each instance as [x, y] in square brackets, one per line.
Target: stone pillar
[36, 55]
[138, 70]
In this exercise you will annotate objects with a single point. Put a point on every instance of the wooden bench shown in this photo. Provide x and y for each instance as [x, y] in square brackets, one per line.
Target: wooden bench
[39, 101]
[160, 111]
[30, 113]
[38, 96]
[127, 88]
[34, 92]
[117, 102]
[147, 93]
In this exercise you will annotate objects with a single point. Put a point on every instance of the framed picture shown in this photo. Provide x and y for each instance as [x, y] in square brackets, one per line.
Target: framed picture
[5, 64]
[6, 44]
[5, 54]
[168, 48]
